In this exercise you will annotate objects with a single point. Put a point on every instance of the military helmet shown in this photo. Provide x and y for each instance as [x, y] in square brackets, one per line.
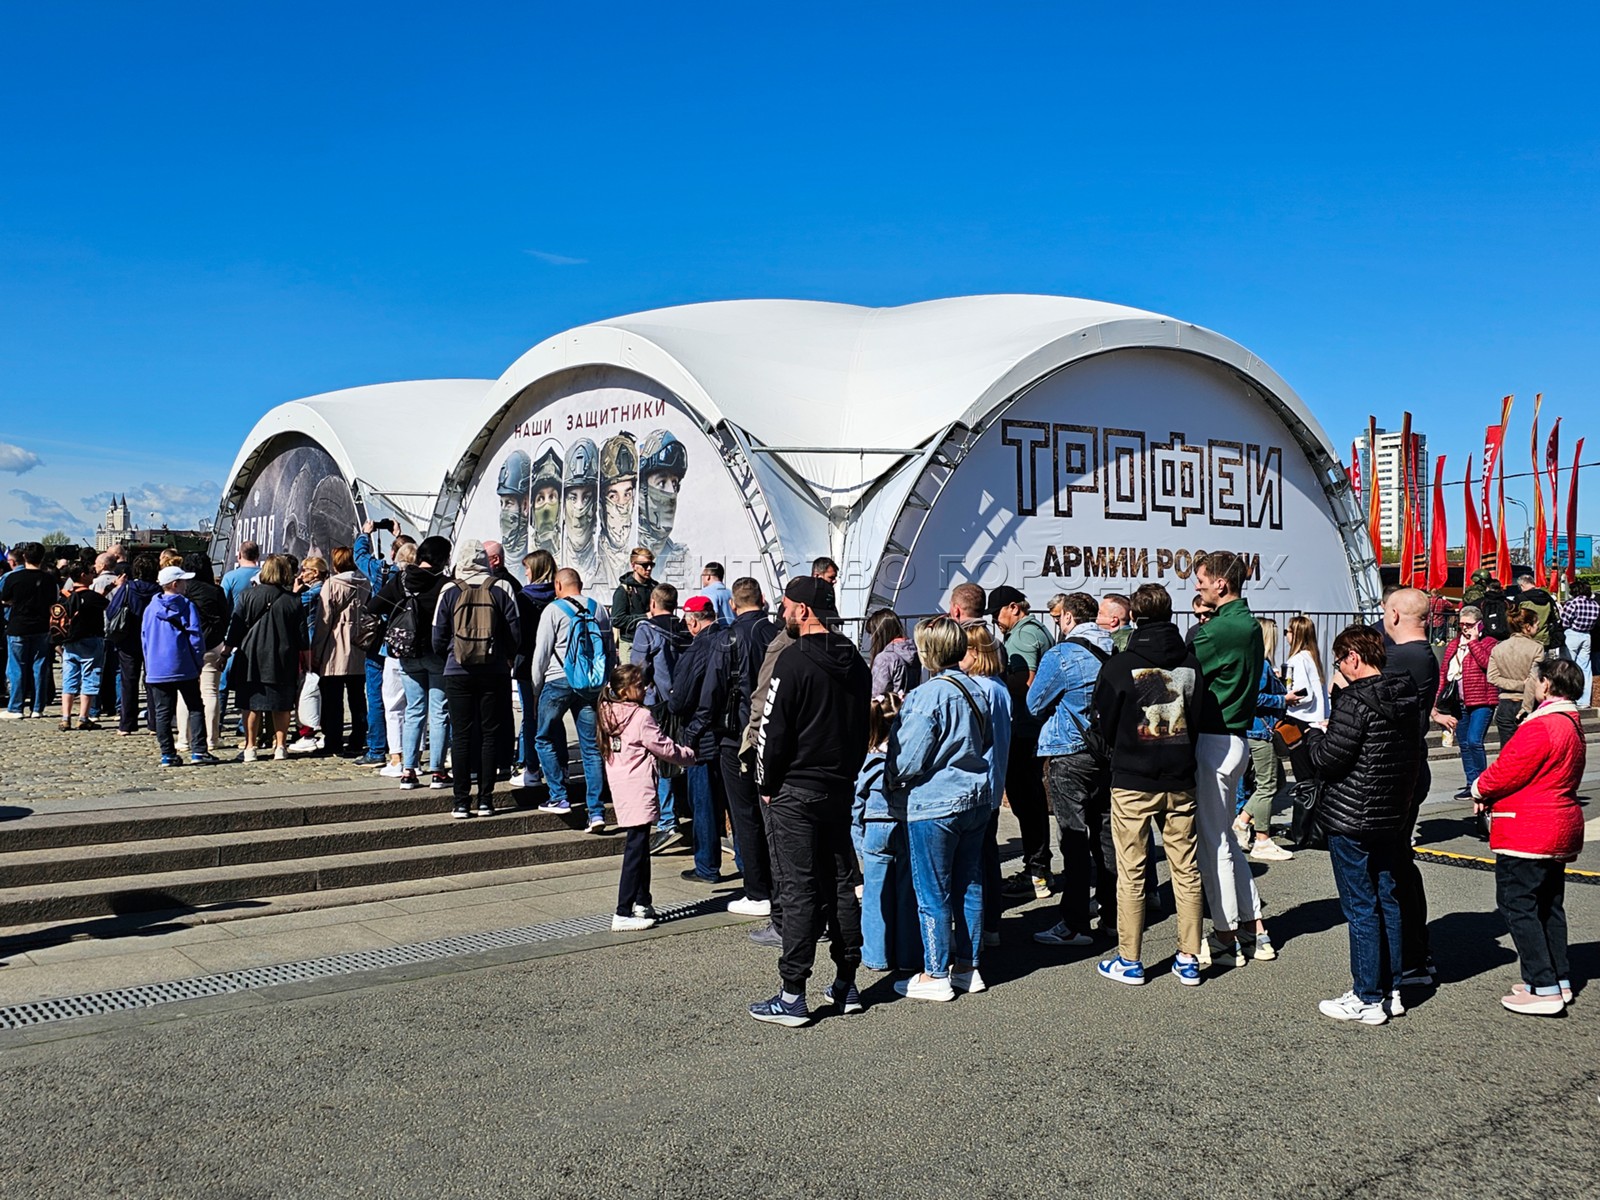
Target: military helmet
[618, 458]
[663, 452]
[582, 464]
[547, 469]
[514, 474]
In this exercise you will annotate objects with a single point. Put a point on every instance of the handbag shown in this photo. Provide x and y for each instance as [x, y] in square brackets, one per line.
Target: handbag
[1287, 735]
[1448, 701]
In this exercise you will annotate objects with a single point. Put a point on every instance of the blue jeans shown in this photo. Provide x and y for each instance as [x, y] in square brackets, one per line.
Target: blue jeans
[556, 700]
[377, 731]
[528, 697]
[1364, 873]
[424, 683]
[1474, 723]
[890, 938]
[705, 795]
[80, 666]
[28, 659]
[947, 875]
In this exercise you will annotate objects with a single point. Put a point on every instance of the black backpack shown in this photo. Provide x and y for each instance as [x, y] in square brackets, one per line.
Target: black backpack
[403, 634]
[1495, 621]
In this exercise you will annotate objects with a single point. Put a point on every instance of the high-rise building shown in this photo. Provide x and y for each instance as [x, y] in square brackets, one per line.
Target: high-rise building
[1387, 474]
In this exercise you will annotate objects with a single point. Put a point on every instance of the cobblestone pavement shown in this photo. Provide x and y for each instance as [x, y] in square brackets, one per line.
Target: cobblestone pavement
[40, 764]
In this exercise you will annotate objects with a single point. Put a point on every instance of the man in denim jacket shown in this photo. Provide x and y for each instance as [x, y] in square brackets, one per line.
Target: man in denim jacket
[1076, 778]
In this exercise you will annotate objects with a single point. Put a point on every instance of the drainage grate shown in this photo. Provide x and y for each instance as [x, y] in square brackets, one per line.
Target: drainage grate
[44, 1012]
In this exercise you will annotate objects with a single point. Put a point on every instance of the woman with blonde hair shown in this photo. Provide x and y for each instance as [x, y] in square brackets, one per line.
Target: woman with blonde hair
[985, 665]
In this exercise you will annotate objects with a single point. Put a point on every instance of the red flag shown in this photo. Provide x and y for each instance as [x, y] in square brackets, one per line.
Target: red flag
[1539, 532]
[1419, 536]
[1408, 548]
[1354, 471]
[1438, 566]
[1493, 439]
[1502, 557]
[1551, 573]
[1374, 492]
[1572, 513]
[1474, 555]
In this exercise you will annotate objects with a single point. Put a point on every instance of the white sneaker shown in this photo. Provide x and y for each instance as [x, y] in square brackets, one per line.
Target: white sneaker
[305, 745]
[1395, 1006]
[1350, 1007]
[968, 981]
[920, 987]
[746, 907]
[1062, 934]
[279, 754]
[530, 779]
[248, 754]
[621, 924]
[8, 715]
[392, 771]
[1267, 850]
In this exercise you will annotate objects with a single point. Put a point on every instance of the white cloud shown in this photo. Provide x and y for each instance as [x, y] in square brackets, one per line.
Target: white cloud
[555, 260]
[180, 505]
[16, 459]
[44, 515]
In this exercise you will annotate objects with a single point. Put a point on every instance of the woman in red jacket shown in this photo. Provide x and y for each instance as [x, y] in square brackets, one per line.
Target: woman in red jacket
[1536, 826]
[1466, 663]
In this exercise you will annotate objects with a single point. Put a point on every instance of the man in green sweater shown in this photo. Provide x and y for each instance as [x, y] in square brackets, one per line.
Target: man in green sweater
[1229, 647]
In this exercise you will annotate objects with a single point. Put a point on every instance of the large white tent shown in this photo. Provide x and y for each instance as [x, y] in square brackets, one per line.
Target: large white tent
[853, 432]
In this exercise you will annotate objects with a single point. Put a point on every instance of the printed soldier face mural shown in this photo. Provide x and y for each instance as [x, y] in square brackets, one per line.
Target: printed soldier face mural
[547, 499]
[299, 504]
[513, 492]
[609, 460]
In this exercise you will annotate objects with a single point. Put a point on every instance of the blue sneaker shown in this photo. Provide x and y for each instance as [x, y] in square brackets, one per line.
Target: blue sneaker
[1122, 970]
[555, 806]
[776, 1012]
[1187, 971]
[171, 760]
[845, 997]
[204, 760]
[369, 759]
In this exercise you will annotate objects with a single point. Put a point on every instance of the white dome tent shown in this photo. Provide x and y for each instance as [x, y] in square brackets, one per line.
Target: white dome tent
[313, 469]
[1047, 442]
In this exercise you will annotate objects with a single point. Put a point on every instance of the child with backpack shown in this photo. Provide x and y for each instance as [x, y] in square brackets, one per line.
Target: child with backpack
[78, 626]
[632, 744]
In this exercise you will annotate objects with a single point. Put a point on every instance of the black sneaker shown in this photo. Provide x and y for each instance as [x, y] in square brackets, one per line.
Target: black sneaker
[664, 840]
[694, 876]
[485, 808]
[441, 781]
[845, 998]
[461, 811]
[776, 1012]
[409, 781]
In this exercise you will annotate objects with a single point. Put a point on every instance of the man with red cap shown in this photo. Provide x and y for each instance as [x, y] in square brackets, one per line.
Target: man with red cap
[706, 798]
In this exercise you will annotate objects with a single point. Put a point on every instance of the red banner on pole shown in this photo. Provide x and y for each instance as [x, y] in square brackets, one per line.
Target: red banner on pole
[1572, 512]
[1408, 547]
[1353, 471]
[1374, 492]
[1540, 533]
[1502, 556]
[1419, 514]
[1493, 438]
[1550, 567]
[1438, 563]
[1474, 554]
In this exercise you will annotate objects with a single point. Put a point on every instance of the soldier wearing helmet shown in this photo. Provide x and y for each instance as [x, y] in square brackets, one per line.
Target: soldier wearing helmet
[512, 488]
[663, 462]
[579, 501]
[545, 530]
[619, 477]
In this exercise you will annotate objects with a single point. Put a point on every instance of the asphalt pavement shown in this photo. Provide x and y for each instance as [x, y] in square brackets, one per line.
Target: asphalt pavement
[611, 1066]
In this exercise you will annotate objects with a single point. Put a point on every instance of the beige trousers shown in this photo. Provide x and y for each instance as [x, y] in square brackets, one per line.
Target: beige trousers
[1131, 814]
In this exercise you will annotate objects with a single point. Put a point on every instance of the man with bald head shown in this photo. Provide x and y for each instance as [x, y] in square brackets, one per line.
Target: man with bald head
[1405, 617]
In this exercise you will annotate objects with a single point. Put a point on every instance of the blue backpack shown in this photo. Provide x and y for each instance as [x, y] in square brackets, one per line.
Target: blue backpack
[585, 664]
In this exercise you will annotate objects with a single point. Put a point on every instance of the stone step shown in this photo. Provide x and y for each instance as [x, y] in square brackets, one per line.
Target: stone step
[209, 818]
[142, 856]
[243, 883]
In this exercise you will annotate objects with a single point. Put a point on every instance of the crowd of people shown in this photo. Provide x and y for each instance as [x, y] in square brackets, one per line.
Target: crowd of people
[863, 783]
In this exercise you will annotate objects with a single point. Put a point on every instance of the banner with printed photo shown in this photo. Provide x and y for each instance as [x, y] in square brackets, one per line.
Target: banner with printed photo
[299, 504]
[607, 462]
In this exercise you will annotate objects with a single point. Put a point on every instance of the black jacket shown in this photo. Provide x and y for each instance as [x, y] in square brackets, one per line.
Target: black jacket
[1146, 709]
[814, 719]
[411, 580]
[215, 610]
[630, 604]
[732, 669]
[1368, 758]
[688, 678]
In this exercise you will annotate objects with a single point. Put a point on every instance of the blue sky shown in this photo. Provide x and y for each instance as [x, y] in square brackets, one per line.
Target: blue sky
[208, 209]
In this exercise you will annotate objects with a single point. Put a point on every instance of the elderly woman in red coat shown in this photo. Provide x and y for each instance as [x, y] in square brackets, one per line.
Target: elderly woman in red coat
[1536, 828]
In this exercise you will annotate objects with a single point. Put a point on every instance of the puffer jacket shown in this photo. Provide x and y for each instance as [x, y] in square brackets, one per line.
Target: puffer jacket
[1368, 757]
[1532, 787]
[1476, 690]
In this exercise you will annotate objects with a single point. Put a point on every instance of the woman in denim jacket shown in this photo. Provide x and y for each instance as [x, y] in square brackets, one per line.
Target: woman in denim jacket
[936, 778]
[889, 937]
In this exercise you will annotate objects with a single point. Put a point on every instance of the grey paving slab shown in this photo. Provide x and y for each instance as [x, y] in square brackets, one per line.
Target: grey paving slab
[287, 946]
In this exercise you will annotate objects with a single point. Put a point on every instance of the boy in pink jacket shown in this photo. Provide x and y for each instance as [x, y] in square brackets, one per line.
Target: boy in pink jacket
[631, 743]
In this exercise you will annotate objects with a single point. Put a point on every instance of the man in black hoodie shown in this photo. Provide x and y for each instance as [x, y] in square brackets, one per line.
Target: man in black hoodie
[1146, 711]
[811, 744]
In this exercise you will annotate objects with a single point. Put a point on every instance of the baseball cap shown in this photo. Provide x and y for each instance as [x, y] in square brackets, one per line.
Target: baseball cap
[172, 575]
[816, 594]
[1003, 595]
[698, 604]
